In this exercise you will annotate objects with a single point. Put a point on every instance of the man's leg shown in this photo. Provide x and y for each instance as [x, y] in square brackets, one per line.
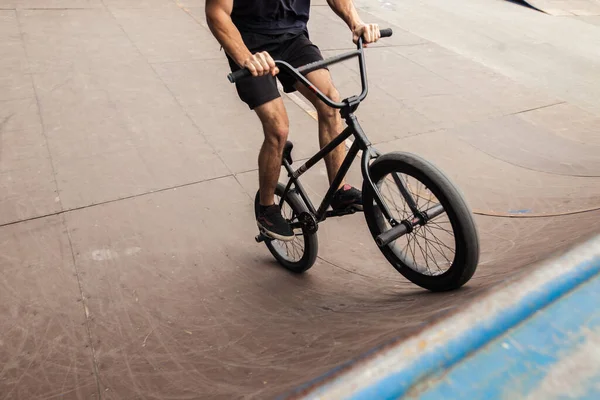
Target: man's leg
[330, 125]
[274, 119]
[330, 121]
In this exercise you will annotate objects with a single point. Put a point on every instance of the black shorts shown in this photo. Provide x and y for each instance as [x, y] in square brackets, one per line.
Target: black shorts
[295, 49]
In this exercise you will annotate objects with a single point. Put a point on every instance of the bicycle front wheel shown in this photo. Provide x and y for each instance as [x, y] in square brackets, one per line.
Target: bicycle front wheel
[439, 255]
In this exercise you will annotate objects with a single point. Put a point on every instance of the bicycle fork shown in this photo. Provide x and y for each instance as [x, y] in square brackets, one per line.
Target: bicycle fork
[398, 229]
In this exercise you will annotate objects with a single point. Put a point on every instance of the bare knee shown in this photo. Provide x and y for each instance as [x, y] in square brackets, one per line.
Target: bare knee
[323, 110]
[273, 117]
[276, 133]
[276, 129]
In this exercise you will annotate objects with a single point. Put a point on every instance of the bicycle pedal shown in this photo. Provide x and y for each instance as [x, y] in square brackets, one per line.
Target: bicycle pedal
[261, 238]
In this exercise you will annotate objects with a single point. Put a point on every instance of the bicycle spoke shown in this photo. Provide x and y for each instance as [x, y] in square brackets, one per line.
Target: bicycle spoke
[437, 226]
[289, 246]
[440, 242]
[395, 191]
[439, 222]
[435, 260]
[297, 250]
[404, 189]
[410, 249]
[424, 256]
[299, 247]
[394, 202]
[390, 201]
[414, 249]
[440, 231]
[427, 248]
[427, 206]
[427, 242]
[438, 249]
[401, 214]
[427, 199]
[287, 250]
[404, 252]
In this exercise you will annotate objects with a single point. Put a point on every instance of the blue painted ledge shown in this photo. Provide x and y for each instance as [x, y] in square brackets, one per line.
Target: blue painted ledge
[430, 364]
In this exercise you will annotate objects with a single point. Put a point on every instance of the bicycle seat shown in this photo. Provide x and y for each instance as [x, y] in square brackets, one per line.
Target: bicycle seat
[287, 151]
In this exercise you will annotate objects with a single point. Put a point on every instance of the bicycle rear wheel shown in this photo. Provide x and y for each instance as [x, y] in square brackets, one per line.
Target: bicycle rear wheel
[441, 254]
[299, 254]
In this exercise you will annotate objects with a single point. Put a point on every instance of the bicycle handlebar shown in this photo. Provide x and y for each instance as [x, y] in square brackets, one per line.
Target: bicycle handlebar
[298, 72]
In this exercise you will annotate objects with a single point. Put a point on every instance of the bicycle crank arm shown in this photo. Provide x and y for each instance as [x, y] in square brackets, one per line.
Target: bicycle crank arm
[407, 226]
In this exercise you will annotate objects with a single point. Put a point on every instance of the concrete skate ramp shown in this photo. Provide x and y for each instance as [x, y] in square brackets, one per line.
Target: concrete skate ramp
[566, 7]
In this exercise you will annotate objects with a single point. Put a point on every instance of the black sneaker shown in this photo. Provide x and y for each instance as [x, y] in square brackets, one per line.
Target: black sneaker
[272, 224]
[347, 198]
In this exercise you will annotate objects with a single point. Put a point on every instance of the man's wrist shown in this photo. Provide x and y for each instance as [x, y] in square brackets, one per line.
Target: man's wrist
[355, 24]
[241, 59]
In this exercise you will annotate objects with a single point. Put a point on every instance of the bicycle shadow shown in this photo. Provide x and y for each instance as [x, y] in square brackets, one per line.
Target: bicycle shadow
[525, 4]
[362, 293]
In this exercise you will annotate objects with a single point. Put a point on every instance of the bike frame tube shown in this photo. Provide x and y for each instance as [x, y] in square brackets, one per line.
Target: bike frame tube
[360, 143]
[346, 164]
[346, 133]
[404, 191]
[367, 155]
[354, 129]
[299, 187]
[294, 175]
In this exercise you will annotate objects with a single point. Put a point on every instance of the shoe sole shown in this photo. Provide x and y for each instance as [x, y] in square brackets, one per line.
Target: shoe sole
[274, 235]
[356, 207]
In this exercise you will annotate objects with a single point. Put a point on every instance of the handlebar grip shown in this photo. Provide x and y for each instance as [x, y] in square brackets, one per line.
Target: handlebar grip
[387, 32]
[239, 74]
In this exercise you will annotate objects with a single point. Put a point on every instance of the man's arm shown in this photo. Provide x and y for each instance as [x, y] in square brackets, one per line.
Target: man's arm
[218, 17]
[345, 10]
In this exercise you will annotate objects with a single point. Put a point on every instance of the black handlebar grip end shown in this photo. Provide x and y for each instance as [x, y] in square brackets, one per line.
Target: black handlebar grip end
[387, 32]
[239, 74]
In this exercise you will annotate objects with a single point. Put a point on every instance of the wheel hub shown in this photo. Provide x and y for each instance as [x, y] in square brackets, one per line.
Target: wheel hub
[309, 222]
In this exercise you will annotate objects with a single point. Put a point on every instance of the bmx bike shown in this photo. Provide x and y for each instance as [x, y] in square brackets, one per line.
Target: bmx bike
[428, 207]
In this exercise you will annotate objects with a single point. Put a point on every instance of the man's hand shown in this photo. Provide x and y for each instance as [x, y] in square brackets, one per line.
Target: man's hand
[369, 32]
[260, 64]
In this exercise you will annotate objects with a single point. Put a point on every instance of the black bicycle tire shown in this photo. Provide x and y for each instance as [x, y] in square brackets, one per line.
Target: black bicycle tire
[466, 258]
[311, 242]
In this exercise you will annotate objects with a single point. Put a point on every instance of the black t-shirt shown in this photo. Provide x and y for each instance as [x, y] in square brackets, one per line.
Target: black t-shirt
[270, 16]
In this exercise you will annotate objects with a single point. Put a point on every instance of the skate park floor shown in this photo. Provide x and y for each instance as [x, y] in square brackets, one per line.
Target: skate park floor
[128, 169]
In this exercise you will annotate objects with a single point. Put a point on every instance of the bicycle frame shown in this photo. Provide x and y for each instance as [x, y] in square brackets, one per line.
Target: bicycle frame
[347, 108]
[361, 143]
[308, 218]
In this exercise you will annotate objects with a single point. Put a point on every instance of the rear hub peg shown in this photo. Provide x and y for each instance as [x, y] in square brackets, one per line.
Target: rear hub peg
[408, 225]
